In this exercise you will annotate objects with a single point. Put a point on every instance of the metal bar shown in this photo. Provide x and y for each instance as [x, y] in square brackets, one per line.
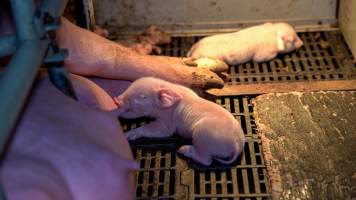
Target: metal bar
[312, 86]
[84, 11]
[2, 193]
[59, 77]
[23, 13]
[54, 7]
[7, 45]
[24, 22]
[16, 82]
[19, 75]
[80, 15]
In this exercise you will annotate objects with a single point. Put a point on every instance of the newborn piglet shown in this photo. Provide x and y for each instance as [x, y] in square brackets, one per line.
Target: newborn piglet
[214, 131]
[258, 43]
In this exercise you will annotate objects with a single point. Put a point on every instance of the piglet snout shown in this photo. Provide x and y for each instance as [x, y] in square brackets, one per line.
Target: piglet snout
[298, 43]
[121, 107]
[118, 101]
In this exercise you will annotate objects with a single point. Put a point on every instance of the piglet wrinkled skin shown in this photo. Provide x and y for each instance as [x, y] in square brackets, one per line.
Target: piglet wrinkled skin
[65, 150]
[258, 43]
[214, 131]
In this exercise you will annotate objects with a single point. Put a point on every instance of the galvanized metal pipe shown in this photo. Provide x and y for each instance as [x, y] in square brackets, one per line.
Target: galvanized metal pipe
[54, 7]
[18, 77]
[23, 13]
[24, 22]
[8, 45]
[16, 82]
[84, 13]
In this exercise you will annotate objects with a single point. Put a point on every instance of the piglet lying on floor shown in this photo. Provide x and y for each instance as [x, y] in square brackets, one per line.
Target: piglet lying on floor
[259, 43]
[214, 131]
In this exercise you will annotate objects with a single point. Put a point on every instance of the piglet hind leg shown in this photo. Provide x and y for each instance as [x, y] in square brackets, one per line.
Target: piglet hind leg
[154, 129]
[189, 151]
[211, 138]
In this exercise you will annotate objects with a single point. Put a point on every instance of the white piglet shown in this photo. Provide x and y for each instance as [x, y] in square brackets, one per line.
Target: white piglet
[214, 131]
[258, 43]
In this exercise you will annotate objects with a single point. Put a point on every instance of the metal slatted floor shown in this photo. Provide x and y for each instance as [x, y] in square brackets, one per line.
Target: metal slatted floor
[324, 56]
[165, 175]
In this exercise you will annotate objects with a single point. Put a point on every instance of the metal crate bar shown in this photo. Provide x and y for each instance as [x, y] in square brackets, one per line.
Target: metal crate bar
[17, 78]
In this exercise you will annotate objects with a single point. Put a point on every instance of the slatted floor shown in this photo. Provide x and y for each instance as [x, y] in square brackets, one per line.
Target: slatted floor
[324, 56]
[165, 175]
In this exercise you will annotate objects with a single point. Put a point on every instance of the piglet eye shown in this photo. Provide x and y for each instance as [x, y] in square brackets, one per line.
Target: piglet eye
[142, 96]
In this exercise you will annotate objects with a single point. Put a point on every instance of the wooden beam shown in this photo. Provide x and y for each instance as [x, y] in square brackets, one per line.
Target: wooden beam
[263, 88]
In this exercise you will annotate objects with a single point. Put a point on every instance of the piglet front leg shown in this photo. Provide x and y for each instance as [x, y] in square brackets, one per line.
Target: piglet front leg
[156, 129]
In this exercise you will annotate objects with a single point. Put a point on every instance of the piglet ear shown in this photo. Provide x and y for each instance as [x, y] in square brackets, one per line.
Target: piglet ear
[167, 97]
[280, 43]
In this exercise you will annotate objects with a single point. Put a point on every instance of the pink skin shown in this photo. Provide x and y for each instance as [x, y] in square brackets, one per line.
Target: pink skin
[91, 94]
[98, 93]
[112, 87]
[258, 43]
[63, 149]
[56, 135]
[214, 130]
[92, 55]
[100, 31]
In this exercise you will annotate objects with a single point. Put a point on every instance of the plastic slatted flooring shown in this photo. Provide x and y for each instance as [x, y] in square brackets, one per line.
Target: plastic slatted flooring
[324, 56]
[166, 175]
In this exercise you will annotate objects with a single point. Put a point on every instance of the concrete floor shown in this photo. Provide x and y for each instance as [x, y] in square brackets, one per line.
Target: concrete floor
[309, 143]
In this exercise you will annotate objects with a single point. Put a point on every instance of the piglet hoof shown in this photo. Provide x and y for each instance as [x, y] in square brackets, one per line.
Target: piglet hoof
[186, 150]
[189, 62]
[214, 65]
[225, 76]
[132, 136]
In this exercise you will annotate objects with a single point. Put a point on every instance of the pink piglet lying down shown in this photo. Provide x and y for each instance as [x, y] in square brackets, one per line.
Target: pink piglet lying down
[258, 43]
[214, 131]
